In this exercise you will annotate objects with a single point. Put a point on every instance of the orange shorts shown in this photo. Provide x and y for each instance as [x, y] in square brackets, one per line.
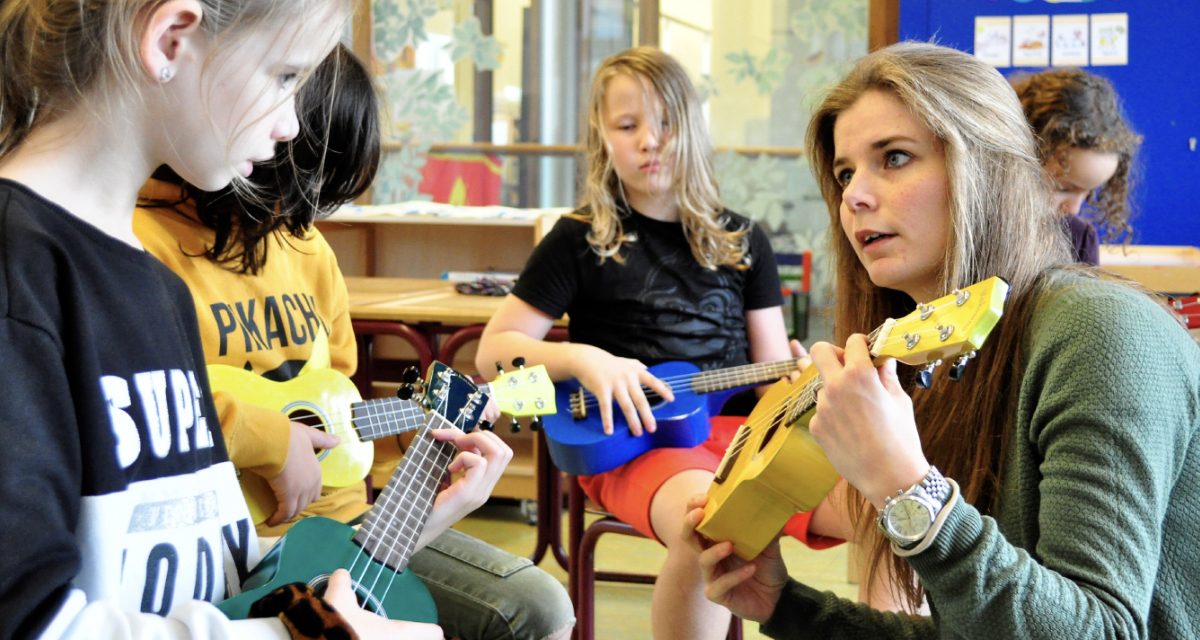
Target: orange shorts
[626, 491]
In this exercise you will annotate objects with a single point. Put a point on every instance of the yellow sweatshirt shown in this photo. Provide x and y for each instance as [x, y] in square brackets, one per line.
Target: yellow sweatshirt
[266, 323]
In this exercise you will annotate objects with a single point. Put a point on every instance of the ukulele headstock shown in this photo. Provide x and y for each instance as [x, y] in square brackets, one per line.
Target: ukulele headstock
[454, 396]
[953, 326]
[524, 392]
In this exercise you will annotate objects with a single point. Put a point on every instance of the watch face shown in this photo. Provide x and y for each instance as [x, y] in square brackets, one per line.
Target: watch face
[909, 519]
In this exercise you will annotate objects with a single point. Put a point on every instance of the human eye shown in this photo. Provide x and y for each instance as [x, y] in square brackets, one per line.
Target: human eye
[896, 158]
[843, 177]
[288, 80]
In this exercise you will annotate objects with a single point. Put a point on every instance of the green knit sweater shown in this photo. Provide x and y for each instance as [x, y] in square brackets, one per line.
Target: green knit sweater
[1098, 533]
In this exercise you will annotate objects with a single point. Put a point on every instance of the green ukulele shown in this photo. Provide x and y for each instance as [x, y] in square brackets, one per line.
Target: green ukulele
[377, 553]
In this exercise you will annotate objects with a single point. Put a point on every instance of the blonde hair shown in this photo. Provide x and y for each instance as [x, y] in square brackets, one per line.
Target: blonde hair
[57, 54]
[1001, 224]
[687, 150]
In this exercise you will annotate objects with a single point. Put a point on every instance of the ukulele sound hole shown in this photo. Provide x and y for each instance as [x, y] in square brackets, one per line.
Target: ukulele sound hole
[366, 600]
[308, 415]
[768, 435]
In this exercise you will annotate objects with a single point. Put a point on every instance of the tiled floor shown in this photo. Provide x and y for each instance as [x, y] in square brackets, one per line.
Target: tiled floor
[623, 610]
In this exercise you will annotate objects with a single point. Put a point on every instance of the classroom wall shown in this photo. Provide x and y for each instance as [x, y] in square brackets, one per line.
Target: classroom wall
[1160, 87]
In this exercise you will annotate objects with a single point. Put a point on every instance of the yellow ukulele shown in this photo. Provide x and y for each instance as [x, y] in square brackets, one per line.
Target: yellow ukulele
[774, 468]
[326, 399]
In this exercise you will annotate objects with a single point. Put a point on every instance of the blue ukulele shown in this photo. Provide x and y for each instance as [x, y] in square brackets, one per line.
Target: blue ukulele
[576, 436]
[378, 552]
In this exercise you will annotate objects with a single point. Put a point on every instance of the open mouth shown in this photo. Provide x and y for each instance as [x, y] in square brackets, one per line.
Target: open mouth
[876, 237]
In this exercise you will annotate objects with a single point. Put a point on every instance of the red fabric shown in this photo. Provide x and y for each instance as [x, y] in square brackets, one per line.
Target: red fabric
[626, 491]
[471, 180]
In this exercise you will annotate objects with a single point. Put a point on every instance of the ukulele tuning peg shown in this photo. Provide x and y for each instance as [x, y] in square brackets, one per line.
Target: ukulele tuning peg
[499, 368]
[959, 368]
[405, 392]
[925, 375]
[410, 375]
[515, 426]
[486, 426]
[519, 362]
[536, 425]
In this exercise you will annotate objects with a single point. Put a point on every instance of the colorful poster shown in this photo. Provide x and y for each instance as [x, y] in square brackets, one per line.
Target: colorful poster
[1031, 41]
[993, 40]
[1110, 39]
[1070, 44]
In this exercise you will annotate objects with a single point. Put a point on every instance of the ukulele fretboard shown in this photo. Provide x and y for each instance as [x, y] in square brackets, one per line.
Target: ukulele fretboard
[382, 417]
[750, 374]
[394, 526]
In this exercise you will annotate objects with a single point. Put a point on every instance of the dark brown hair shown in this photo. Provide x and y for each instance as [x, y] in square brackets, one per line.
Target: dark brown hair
[1001, 224]
[332, 161]
[1070, 108]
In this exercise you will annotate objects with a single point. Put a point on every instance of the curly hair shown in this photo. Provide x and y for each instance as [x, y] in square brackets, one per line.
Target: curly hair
[1070, 108]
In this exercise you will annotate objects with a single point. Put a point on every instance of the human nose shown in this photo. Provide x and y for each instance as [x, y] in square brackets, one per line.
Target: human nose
[857, 195]
[649, 141]
[287, 127]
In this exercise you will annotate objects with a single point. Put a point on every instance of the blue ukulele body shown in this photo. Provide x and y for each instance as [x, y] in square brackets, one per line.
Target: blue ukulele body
[581, 448]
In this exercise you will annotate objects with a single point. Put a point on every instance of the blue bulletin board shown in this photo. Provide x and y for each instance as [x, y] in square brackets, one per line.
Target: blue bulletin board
[1160, 88]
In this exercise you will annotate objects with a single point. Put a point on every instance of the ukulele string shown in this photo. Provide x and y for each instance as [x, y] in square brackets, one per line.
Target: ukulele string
[591, 401]
[687, 380]
[441, 402]
[813, 386]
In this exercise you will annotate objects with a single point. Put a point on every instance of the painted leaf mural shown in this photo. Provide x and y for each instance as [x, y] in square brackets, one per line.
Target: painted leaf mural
[469, 42]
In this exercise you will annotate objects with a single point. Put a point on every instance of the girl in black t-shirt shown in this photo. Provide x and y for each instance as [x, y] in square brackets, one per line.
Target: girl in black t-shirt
[651, 268]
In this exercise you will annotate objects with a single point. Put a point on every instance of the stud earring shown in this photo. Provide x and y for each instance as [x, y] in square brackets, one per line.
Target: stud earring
[165, 74]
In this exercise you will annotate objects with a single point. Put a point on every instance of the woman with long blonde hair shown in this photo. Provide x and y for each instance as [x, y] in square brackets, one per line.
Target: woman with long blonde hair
[1053, 491]
[651, 268]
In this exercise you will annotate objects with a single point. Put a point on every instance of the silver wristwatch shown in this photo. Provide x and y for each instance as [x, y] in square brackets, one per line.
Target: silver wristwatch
[906, 518]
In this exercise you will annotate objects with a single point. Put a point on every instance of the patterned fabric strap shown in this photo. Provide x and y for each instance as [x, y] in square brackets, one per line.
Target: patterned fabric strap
[306, 616]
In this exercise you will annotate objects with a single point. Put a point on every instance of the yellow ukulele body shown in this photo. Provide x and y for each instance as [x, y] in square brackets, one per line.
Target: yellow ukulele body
[779, 471]
[774, 468]
[326, 394]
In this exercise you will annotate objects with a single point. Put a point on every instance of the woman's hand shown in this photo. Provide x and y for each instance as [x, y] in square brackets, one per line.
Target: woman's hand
[483, 456]
[864, 421]
[369, 626]
[299, 483]
[749, 589]
[611, 379]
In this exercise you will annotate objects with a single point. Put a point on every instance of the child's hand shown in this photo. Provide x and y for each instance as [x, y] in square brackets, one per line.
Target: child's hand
[483, 456]
[491, 412]
[805, 362]
[369, 626]
[611, 379]
[299, 483]
[750, 590]
[864, 421]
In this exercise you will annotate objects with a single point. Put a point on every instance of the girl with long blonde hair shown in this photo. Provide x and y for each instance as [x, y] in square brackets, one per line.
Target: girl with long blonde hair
[1051, 492]
[651, 268]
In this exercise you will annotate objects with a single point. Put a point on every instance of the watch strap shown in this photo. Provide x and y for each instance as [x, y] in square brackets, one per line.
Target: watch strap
[936, 527]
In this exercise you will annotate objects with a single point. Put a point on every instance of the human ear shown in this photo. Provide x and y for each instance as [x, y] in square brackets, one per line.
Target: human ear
[170, 30]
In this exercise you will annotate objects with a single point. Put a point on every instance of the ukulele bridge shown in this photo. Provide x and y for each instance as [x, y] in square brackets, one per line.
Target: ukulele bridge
[578, 405]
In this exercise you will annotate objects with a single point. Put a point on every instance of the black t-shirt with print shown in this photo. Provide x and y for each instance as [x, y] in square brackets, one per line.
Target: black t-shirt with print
[660, 304]
[116, 481]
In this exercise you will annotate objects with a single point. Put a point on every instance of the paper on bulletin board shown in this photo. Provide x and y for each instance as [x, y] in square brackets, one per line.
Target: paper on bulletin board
[993, 40]
[1031, 41]
[1070, 45]
[1110, 39]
